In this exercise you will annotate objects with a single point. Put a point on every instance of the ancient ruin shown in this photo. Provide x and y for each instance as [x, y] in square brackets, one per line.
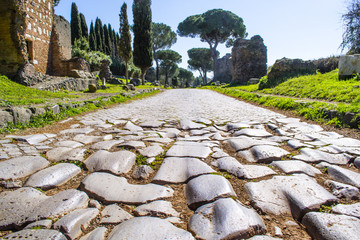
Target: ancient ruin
[223, 69]
[249, 58]
[35, 40]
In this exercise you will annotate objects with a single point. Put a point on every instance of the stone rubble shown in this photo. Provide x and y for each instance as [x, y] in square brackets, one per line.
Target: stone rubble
[146, 171]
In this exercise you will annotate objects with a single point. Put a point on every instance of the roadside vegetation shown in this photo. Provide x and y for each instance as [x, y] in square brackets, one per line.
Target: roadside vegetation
[340, 105]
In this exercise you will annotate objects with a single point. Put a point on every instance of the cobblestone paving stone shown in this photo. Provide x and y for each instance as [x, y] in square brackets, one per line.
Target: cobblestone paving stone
[185, 164]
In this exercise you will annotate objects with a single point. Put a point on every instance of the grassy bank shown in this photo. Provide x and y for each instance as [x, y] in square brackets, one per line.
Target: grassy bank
[326, 87]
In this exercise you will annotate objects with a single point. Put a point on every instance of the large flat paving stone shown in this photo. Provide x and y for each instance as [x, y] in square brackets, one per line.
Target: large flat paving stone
[207, 188]
[244, 143]
[350, 210]
[21, 167]
[253, 132]
[289, 195]
[233, 166]
[32, 139]
[331, 226]
[72, 131]
[159, 208]
[344, 175]
[143, 228]
[106, 145]
[263, 154]
[114, 214]
[68, 144]
[73, 223]
[225, 219]
[344, 142]
[111, 189]
[113, 162]
[65, 154]
[189, 149]
[180, 170]
[342, 190]
[27, 205]
[133, 144]
[132, 127]
[186, 124]
[87, 139]
[151, 151]
[316, 156]
[294, 166]
[32, 234]
[53, 176]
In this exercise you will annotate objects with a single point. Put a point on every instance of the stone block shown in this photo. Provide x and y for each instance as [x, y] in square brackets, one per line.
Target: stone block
[349, 65]
[5, 117]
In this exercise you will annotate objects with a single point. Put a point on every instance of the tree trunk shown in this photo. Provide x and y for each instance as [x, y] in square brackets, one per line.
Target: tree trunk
[126, 72]
[205, 77]
[157, 66]
[166, 78]
[143, 72]
[215, 58]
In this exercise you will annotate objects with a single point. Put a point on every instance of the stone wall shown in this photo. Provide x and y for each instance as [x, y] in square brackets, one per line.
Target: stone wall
[12, 41]
[60, 48]
[249, 58]
[39, 22]
[223, 69]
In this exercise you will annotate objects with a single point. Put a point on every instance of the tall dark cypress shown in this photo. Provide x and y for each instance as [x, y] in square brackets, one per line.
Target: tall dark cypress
[98, 27]
[92, 37]
[143, 55]
[107, 39]
[84, 27]
[124, 42]
[75, 23]
[103, 45]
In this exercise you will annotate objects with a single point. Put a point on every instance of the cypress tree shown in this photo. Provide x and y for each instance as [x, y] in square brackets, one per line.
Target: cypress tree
[107, 41]
[124, 43]
[103, 45]
[84, 27]
[75, 23]
[143, 55]
[98, 26]
[92, 38]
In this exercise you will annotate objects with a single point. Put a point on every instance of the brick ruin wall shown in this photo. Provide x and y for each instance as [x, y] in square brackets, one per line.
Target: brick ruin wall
[39, 22]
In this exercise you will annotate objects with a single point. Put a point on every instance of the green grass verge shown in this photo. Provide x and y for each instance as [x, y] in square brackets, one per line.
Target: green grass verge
[325, 87]
[311, 110]
[13, 94]
[50, 118]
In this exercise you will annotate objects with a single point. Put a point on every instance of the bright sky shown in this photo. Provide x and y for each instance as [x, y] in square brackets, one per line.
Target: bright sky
[306, 29]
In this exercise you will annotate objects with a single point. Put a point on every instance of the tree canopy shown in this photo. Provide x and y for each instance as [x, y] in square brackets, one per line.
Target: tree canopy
[84, 27]
[125, 50]
[201, 59]
[143, 55]
[163, 37]
[351, 35]
[214, 27]
[186, 77]
[168, 62]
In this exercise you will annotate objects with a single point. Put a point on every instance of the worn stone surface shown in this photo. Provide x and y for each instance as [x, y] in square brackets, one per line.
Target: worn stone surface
[244, 143]
[344, 175]
[36, 234]
[73, 223]
[142, 172]
[53, 176]
[189, 149]
[111, 189]
[187, 124]
[68, 144]
[263, 154]
[342, 190]
[31, 139]
[44, 224]
[114, 214]
[65, 154]
[294, 166]
[225, 219]
[252, 132]
[316, 156]
[180, 170]
[149, 228]
[87, 139]
[97, 234]
[348, 66]
[21, 167]
[285, 195]
[156, 209]
[350, 210]
[35, 205]
[132, 127]
[357, 162]
[114, 162]
[151, 151]
[207, 188]
[331, 226]
[106, 145]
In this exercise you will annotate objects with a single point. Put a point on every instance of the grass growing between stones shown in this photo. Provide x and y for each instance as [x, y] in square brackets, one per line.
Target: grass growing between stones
[12, 93]
[49, 117]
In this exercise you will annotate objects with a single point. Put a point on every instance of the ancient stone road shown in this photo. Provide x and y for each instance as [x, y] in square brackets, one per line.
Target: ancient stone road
[184, 164]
